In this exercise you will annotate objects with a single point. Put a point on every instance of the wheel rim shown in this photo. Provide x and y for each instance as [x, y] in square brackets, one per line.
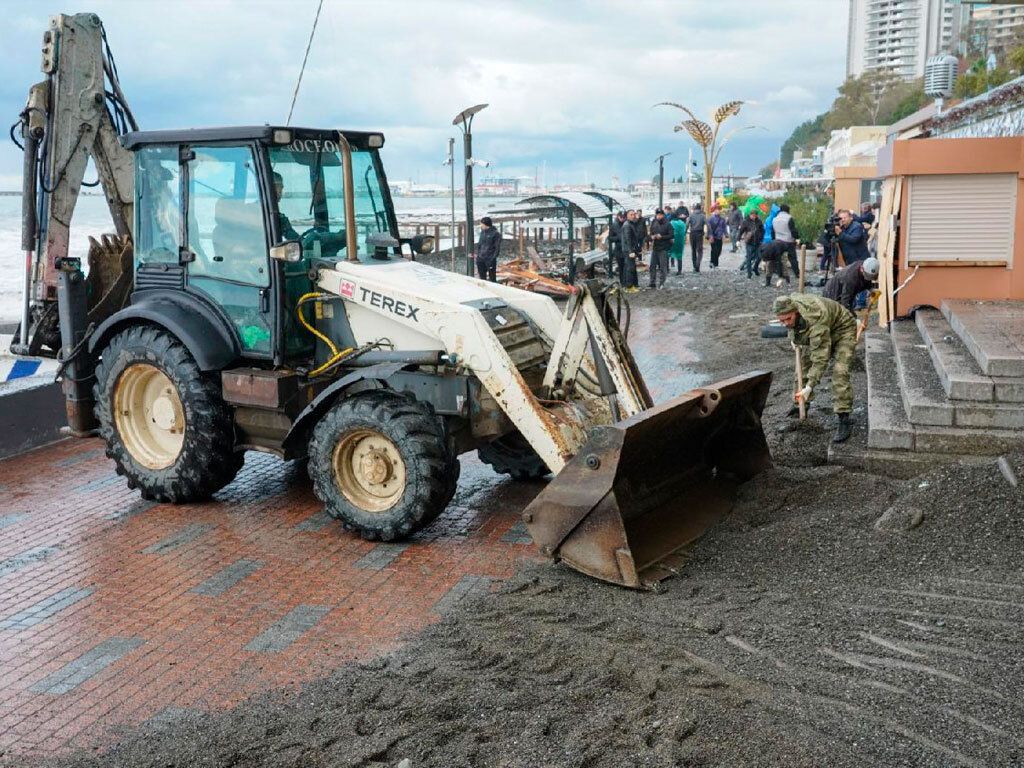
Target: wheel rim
[369, 470]
[148, 416]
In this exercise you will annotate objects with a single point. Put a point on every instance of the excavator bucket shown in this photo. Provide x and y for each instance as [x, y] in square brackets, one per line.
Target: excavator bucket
[625, 508]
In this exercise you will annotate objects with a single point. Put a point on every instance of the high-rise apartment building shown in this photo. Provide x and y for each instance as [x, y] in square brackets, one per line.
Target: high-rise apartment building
[900, 35]
[996, 28]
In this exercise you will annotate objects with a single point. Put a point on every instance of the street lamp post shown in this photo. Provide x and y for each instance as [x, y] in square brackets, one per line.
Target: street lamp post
[706, 136]
[660, 160]
[465, 122]
[450, 160]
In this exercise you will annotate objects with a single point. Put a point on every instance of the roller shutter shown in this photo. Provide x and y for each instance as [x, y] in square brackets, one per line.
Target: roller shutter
[961, 217]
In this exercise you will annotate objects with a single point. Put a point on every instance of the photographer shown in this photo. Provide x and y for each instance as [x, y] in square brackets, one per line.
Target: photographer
[853, 239]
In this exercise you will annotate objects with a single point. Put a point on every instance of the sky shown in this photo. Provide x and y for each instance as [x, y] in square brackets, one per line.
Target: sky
[570, 84]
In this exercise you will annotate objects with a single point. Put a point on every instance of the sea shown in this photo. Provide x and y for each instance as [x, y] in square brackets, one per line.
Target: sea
[92, 217]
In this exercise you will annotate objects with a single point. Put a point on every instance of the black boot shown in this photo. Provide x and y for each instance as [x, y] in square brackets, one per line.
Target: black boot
[842, 428]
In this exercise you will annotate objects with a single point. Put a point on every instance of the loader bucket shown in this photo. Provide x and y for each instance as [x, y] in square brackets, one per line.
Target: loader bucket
[625, 508]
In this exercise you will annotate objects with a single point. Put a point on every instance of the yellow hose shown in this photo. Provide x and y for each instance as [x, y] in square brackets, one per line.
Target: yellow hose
[335, 354]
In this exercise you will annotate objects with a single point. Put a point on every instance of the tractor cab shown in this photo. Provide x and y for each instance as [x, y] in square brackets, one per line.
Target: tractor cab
[238, 219]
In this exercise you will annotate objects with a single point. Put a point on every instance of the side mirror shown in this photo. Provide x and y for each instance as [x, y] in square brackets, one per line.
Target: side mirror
[287, 251]
[422, 244]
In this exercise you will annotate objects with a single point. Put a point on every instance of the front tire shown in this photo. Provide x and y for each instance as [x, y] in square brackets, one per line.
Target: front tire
[512, 455]
[164, 421]
[383, 464]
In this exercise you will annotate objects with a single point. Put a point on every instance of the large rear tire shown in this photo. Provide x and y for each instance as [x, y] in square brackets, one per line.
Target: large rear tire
[164, 421]
[383, 464]
[512, 455]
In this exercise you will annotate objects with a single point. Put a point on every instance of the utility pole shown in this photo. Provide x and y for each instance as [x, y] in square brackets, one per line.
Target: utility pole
[689, 173]
[465, 122]
[660, 160]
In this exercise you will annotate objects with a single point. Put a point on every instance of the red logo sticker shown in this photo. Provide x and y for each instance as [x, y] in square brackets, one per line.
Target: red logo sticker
[347, 288]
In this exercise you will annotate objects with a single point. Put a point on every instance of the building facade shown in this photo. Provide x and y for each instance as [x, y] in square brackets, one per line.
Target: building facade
[996, 29]
[900, 35]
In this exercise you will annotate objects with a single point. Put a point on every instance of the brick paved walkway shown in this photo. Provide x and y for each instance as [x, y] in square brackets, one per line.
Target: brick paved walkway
[114, 610]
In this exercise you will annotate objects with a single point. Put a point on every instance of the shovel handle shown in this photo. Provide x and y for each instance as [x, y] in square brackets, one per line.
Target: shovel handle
[799, 381]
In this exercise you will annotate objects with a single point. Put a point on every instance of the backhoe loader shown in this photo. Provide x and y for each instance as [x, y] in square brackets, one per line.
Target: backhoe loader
[257, 296]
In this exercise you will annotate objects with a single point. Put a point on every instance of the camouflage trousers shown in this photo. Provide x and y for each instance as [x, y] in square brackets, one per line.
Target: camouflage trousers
[843, 347]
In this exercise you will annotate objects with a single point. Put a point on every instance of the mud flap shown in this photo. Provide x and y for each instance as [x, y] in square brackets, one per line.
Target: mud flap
[641, 490]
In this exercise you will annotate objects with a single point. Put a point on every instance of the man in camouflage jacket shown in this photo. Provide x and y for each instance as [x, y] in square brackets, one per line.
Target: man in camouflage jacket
[829, 331]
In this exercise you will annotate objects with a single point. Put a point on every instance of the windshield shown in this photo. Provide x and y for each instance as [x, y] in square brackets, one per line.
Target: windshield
[309, 186]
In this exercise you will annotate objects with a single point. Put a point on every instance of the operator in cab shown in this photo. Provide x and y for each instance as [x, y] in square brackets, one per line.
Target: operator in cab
[284, 223]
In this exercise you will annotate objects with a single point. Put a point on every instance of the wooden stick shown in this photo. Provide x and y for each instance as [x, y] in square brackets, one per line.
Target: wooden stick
[803, 267]
[800, 381]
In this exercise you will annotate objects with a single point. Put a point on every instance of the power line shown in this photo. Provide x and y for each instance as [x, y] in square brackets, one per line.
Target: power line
[309, 45]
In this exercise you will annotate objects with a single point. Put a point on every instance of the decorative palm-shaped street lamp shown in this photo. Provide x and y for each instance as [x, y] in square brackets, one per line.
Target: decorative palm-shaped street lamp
[706, 136]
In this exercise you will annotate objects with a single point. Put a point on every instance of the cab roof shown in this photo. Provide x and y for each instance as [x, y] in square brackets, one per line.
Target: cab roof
[136, 139]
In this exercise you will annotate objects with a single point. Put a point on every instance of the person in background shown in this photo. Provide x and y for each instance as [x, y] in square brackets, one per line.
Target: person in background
[661, 243]
[682, 212]
[734, 220]
[641, 228]
[696, 225]
[615, 245]
[772, 257]
[630, 248]
[718, 230]
[678, 242]
[853, 240]
[831, 333]
[866, 216]
[851, 280]
[487, 251]
[751, 235]
[784, 230]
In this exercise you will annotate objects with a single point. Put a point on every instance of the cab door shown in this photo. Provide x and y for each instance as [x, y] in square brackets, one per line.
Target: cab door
[227, 256]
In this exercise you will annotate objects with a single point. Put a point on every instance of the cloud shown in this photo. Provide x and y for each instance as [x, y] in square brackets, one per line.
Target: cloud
[570, 85]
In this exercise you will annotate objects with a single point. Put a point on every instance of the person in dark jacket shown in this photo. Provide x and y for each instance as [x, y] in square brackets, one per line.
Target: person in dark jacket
[867, 215]
[641, 229]
[661, 243]
[734, 219]
[718, 230]
[630, 247]
[772, 255]
[487, 251]
[849, 281]
[615, 244]
[853, 240]
[751, 234]
[696, 225]
[682, 212]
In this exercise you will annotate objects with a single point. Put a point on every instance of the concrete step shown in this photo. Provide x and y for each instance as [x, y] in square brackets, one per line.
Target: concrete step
[959, 372]
[924, 399]
[992, 330]
[890, 429]
[888, 426]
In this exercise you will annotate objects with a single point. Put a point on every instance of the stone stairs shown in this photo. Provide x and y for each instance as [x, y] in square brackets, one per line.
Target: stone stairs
[949, 382]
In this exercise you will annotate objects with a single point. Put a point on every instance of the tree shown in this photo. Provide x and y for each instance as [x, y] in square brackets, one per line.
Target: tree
[979, 79]
[810, 210]
[768, 170]
[807, 135]
[870, 99]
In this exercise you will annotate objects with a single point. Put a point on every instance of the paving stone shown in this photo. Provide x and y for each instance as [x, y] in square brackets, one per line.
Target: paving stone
[517, 534]
[224, 580]
[381, 556]
[468, 586]
[315, 522]
[45, 608]
[102, 482]
[8, 520]
[130, 511]
[22, 559]
[177, 539]
[78, 458]
[71, 675]
[300, 619]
